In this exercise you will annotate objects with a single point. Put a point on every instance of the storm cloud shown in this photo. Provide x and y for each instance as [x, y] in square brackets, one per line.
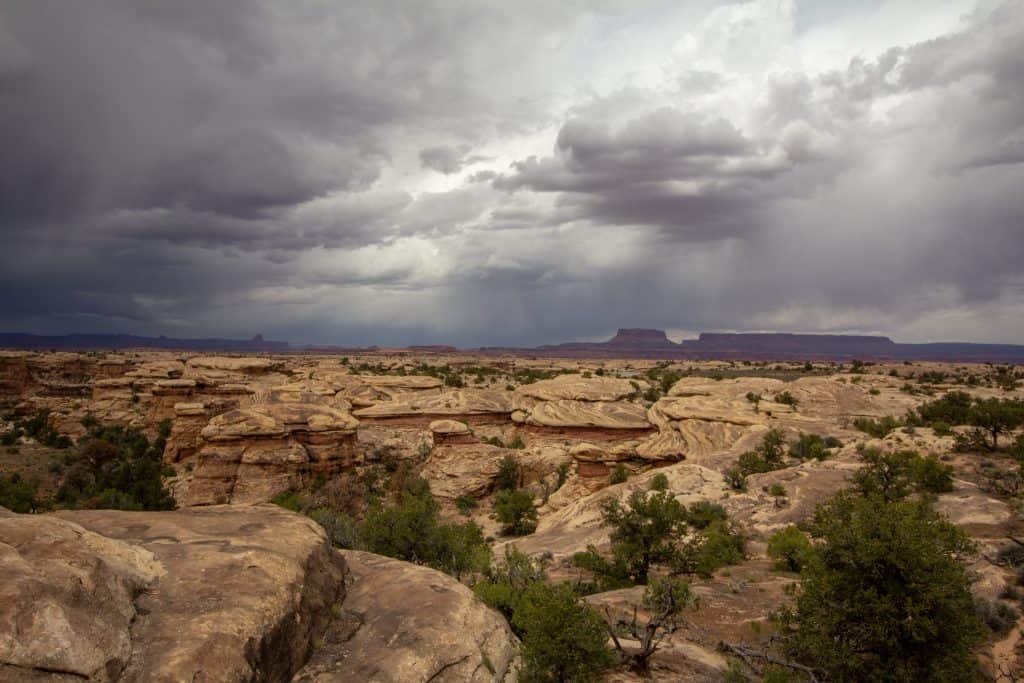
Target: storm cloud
[493, 173]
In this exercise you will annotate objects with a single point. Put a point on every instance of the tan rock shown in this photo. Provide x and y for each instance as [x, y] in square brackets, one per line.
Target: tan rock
[579, 388]
[248, 366]
[410, 624]
[453, 471]
[457, 402]
[189, 409]
[584, 414]
[245, 591]
[251, 455]
[450, 427]
[67, 598]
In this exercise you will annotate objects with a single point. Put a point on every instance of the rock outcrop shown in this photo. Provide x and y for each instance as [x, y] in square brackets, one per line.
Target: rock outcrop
[404, 623]
[220, 594]
[251, 455]
[473, 406]
[580, 388]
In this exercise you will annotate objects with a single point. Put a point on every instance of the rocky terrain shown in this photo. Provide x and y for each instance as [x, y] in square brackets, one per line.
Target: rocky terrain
[230, 587]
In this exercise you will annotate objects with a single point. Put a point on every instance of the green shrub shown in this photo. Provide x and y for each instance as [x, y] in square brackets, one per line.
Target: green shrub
[289, 500]
[786, 398]
[717, 546]
[562, 638]
[341, 529]
[789, 548]
[893, 476]
[736, 478]
[883, 597]
[410, 531]
[619, 474]
[118, 468]
[952, 409]
[507, 478]
[516, 512]
[659, 482]
[877, 428]
[466, 504]
[18, 494]
[643, 532]
[704, 513]
[809, 447]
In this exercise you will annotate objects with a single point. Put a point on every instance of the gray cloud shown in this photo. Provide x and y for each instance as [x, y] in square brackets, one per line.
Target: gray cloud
[387, 173]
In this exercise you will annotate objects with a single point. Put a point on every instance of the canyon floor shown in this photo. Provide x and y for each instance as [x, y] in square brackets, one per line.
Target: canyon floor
[231, 587]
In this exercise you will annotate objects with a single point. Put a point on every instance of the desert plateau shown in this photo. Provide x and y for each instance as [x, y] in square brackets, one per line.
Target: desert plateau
[286, 478]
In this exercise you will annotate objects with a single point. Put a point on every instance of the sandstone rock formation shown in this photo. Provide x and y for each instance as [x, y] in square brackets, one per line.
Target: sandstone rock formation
[589, 415]
[469, 405]
[247, 366]
[579, 388]
[219, 594]
[409, 624]
[451, 432]
[250, 455]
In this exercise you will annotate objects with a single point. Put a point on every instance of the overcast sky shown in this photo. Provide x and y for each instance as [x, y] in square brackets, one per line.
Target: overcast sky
[404, 171]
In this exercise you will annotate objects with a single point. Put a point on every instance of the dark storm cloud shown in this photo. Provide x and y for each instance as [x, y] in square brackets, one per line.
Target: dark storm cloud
[394, 172]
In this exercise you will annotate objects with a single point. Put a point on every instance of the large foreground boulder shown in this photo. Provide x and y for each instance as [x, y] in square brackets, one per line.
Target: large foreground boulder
[215, 594]
[409, 624]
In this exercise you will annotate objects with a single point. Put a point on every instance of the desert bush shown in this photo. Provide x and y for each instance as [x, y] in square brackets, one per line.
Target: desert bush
[894, 476]
[877, 428]
[466, 504]
[118, 467]
[786, 398]
[562, 638]
[410, 530]
[659, 482]
[789, 548]
[619, 474]
[884, 595]
[809, 447]
[954, 409]
[719, 545]
[736, 478]
[516, 512]
[341, 529]
[507, 478]
[18, 494]
[704, 513]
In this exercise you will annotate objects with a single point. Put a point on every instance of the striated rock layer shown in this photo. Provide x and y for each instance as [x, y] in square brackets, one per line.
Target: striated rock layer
[251, 455]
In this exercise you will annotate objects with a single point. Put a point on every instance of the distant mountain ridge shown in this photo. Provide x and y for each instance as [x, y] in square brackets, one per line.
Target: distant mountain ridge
[627, 343]
[129, 341]
[655, 344]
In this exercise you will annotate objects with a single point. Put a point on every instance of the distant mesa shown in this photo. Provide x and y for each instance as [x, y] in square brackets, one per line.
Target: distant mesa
[641, 339]
[627, 343]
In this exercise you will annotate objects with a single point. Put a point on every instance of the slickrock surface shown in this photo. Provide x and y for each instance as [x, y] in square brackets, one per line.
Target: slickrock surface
[464, 403]
[214, 595]
[67, 599]
[579, 388]
[409, 624]
[249, 366]
[589, 414]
